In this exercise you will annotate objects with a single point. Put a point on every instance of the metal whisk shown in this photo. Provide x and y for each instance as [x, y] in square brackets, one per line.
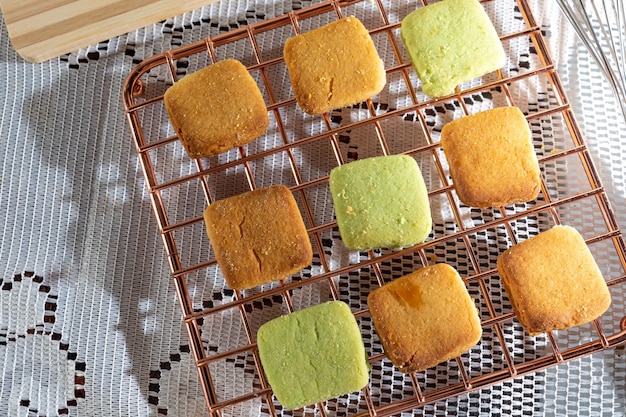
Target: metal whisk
[601, 26]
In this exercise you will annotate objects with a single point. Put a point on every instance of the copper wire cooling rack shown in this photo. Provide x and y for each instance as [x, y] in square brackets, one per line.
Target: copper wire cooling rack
[299, 150]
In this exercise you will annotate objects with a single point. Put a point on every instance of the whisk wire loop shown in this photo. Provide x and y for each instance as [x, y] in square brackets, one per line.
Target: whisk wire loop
[601, 25]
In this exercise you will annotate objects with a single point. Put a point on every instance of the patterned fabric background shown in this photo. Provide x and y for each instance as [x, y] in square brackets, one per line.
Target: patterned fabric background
[89, 321]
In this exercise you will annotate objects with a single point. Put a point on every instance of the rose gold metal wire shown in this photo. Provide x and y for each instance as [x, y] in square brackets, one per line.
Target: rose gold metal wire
[135, 102]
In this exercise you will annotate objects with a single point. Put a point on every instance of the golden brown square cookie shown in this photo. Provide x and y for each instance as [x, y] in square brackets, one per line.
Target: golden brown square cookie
[491, 158]
[553, 281]
[425, 318]
[334, 66]
[258, 236]
[216, 108]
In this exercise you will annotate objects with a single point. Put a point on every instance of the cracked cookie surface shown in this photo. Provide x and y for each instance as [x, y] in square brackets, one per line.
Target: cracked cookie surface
[258, 237]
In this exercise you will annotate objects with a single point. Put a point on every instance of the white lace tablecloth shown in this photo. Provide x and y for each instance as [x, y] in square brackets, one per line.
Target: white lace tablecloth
[89, 321]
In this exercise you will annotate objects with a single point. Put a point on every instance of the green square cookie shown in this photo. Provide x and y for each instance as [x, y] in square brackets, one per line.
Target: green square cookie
[381, 202]
[451, 42]
[313, 355]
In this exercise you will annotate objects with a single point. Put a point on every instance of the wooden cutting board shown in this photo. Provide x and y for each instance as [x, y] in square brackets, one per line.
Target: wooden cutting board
[44, 29]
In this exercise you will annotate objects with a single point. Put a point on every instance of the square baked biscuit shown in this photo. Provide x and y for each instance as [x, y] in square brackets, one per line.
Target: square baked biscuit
[491, 158]
[313, 355]
[450, 42]
[334, 66]
[553, 281]
[258, 237]
[425, 318]
[216, 109]
[381, 202]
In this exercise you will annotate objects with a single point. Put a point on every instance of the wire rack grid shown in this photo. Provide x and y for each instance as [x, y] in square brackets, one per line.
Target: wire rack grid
[299, 150]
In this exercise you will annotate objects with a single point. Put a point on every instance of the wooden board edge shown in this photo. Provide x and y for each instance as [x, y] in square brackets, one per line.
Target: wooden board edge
[98, 32]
